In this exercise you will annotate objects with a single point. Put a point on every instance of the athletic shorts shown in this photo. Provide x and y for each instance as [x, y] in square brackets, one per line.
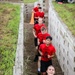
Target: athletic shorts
[35, 42]
[38, 48]
[39, 54]
[35, 21]
[45, 64]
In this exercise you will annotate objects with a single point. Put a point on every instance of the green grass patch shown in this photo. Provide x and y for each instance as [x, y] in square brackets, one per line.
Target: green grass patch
[67, 14]
[9, 25]
[29, 1]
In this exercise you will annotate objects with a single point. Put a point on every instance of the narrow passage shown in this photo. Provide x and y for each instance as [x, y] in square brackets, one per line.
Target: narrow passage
[30, 67]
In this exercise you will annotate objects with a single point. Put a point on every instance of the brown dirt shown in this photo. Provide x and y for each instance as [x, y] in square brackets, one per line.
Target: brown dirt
[30, 67]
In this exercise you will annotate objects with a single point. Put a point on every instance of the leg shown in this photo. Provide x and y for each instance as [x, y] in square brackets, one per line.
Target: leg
[36, 52]
[39, 64]
[48, 64]
[43, 67]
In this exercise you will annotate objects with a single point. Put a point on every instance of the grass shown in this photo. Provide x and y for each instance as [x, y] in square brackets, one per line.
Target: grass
[29, 1]
[67, 14]
[9, 25]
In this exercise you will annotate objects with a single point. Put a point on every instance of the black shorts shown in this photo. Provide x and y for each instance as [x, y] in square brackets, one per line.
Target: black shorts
[39, 54]
[35, 21]
[45, 64]
[38, 48]
[35, 42]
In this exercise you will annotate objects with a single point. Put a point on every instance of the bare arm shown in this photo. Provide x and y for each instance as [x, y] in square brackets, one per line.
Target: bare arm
[44, 41]
[51, 56]
[34, 33]
[40, 53]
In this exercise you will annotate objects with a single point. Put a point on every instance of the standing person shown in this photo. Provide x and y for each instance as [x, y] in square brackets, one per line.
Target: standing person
[35, 10]
[41, 39]
[50, 70]
[42, 35]
[47, 52]
[36, 30]
[39, 14]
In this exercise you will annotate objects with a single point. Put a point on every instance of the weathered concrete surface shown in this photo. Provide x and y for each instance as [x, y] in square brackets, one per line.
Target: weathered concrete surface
[63, 41]
[18, 67]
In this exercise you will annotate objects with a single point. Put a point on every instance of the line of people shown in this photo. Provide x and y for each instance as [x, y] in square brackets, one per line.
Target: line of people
[45, 51]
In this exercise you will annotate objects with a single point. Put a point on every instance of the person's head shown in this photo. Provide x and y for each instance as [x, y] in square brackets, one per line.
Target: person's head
[40, 21]
[50, 70]
[38, 5]
[43, 30]
[40, 9]
[48, 40]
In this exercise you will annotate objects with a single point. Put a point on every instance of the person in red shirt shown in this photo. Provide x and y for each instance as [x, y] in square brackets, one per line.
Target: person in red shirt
[41, 39]
[36, 30]
[39, 14]
[47, 52]
[42, 35]
[35, 10]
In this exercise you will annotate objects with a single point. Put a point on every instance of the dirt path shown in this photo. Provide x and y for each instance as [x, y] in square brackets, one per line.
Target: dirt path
[30, 67]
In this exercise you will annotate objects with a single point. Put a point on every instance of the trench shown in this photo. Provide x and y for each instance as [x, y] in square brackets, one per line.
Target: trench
[30, 67]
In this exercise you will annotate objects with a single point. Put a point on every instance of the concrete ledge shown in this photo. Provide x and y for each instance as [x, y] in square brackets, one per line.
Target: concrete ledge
[18, 67]
[63, 41]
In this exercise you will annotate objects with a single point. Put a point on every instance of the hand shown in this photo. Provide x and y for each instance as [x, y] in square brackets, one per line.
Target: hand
[49, 56]
[35, 36]
[44, 41]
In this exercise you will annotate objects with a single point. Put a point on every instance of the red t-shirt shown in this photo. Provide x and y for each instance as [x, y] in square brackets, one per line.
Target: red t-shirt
[42, 37]
[40, 14]
[39, 36]
[35, 14]
[45, 36]
[36, 9]
[37, 28]
[46, 50]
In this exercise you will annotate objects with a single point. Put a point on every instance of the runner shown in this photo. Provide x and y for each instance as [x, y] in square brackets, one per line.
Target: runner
[47, 52]
[41, 39]
[36, 30]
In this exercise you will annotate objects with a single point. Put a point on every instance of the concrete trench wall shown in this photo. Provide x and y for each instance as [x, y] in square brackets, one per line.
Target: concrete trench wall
[43, 4]
[63, 41]
[18, 67]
